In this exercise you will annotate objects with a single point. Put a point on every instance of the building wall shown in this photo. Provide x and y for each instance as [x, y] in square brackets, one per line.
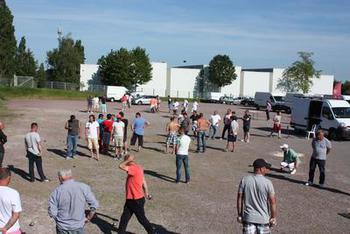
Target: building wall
[234, 88]
[157, 85]
[322, 85]
[182, 82]
[87, 73]
[253, 82]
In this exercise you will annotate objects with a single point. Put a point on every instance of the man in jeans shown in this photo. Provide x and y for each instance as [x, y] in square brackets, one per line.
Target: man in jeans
[34, 151]
[67, 204]
[227, 123]
[215, 120]
[203, 126]
[10, 205]
[3, 140]
[136, 190]
[321, 147]
[73, 127]
[182, 146]
[256, 200]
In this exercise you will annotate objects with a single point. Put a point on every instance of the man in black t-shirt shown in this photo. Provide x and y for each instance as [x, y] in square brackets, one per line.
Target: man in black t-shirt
[169, 103]
[3, 140]
[126, 122]
[246, 125]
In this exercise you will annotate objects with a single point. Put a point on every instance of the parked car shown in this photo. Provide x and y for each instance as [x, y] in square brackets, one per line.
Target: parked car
[237, 100]
[226, 100]
[143, 100]
[248, 101]
[115, 93]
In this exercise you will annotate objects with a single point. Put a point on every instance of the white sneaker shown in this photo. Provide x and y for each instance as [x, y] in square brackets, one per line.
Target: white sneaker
[308, 183]
[293, 172]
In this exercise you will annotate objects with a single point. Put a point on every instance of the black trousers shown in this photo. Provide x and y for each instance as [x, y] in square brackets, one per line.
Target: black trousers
[137, 137]
[1, 158]
[134, 207]
[226, 128]
[39, 166]
[321, 166]
[267, 115]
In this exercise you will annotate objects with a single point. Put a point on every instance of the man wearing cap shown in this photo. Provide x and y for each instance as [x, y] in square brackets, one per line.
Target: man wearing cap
[256, 201]
[290, 159]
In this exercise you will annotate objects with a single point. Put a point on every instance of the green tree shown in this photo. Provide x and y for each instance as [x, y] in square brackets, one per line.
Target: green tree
[64, 61]
[7, 42]
[25, 61]
[221, 71]
[40, 77]
[125, 68]
[299, 75]
[346, 88]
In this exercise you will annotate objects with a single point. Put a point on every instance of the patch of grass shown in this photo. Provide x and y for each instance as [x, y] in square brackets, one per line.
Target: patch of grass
[34, 93]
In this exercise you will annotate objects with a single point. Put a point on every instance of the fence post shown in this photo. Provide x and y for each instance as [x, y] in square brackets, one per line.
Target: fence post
[177, 93]
[65, 86]
[51, 85]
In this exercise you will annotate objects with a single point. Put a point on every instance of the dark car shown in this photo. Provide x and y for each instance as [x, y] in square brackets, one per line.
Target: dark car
[248, 102]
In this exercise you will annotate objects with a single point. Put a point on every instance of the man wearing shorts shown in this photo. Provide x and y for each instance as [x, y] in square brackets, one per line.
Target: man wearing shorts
[277, 125]
[92, 134]
[107, 126]
[118, 135]
[103, 105]
[138, 127]
[232, 134]
[124, 101]
[172, 127]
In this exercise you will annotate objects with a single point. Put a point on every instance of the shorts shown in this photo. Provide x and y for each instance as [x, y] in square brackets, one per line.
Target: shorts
[171, 139]
[93, 143]
[103, 108]
[252, 228]
[277, 127]
[231, 138]
[106, 138]
[137, 137]
[96, 106]
[118, 141]
[246, 128]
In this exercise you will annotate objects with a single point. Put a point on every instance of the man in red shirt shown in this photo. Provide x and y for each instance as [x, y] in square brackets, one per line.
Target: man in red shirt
[136, 190]
[107, 126]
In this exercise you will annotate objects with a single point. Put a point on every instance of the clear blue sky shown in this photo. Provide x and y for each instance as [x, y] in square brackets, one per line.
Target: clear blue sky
[254, 33]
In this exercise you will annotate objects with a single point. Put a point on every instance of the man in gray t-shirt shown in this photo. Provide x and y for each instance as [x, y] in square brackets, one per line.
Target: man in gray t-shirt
[256, 201]
[321, 147]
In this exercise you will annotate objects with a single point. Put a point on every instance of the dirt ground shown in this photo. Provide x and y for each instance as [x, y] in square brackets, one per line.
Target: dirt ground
[206, 205]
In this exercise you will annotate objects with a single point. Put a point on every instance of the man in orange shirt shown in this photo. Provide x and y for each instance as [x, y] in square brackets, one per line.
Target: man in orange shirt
[136, 190]
[203, 126]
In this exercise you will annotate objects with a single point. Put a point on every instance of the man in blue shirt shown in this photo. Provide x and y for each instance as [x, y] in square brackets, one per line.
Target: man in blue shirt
[138, 127]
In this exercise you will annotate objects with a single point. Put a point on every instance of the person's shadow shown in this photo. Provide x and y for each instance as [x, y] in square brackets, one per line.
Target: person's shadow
[20, 172]
[160, 176]
[104, 226]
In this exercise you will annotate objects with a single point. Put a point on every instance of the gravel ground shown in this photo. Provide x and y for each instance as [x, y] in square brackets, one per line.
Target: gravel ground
[207, 205]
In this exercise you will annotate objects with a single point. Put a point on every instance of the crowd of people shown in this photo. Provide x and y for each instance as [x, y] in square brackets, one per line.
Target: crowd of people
[256, 200]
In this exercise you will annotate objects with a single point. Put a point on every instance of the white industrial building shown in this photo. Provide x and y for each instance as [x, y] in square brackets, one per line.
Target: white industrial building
[182, 81]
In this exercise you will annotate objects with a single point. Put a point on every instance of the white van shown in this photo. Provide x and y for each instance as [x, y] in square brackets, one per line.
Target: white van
[277, 101]
[115, 93]
[333, 116]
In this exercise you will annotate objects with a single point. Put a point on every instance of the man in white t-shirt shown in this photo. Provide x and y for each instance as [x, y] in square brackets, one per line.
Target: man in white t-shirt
[183, 144]
[118, 134]
[92, 134]
[10, 208]
[215, 120]
[95, 104]
[195, 106]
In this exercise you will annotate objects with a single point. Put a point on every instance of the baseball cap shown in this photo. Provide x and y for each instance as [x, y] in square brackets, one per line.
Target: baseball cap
[259, 163]
[284, 146]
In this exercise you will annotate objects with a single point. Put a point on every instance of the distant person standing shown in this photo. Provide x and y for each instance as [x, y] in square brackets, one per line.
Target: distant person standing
[103, 104]
[89, 104]
[3, 140]
[118, 135]
[246, 125]
[182, 146]
[203, 126]
[10, 208]
[268, 110]
[195, 106]
[158, 103]
[125, 136]
[186, 123]
[92, 135]
[107, 126]
[232, 134]
[129, 100]
[34, 151]
[136, 191]
[100, 121]
[153, 105]
[67, 204]
[194, 117]
[277, 126]
[215, 120]
[169, 103]
[227, 123]
[256, 200]
[321, 147]
[185, 105]
[96, 105]
[138, 127]
[124, 101]
[171, 128]
[73, 127]
[175, 107]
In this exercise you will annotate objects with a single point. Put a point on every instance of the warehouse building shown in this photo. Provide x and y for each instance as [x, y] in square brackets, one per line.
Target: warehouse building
[187, 82]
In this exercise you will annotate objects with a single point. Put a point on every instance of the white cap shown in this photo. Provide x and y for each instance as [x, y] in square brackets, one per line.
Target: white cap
[284, 146]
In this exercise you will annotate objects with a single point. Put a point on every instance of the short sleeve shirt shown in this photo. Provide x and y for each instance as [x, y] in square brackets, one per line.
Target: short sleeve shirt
[320, 148]
[214, 119]
[256, 190]
[32, 140]
[107, 125]
[183, 142]
[290, 156]
[10, 202]
[92, 129]
[134, 182]
[139, 126]
[118, 128]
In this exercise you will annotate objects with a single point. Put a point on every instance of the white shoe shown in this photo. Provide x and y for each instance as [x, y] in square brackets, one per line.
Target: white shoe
[293, 171]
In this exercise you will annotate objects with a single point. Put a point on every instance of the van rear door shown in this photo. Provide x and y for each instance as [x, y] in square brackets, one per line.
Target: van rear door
[314, 116]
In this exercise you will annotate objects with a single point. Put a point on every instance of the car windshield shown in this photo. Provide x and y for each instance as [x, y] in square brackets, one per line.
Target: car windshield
[279, 98]
[341, 112]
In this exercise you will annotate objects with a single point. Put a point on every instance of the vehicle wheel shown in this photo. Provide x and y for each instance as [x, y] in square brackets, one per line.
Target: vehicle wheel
[112, 99]
[139, 103]
[332, 134]
[246, 104]
[258, 107]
